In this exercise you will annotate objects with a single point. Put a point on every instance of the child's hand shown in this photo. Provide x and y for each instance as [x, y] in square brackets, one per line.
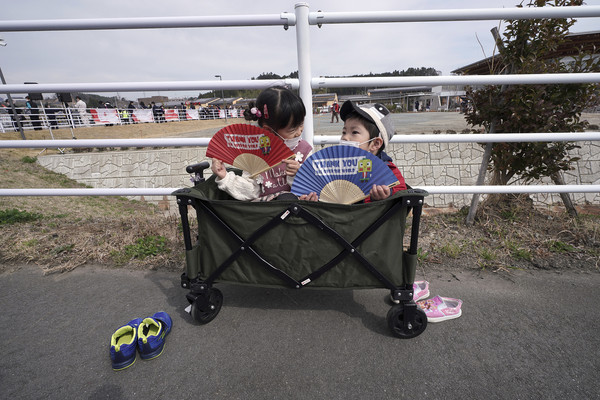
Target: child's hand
[380, 192]
[291, 167]
[312, 196]
[218, 168]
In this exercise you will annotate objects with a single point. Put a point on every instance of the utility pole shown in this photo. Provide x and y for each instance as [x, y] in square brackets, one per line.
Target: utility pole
[223, 96]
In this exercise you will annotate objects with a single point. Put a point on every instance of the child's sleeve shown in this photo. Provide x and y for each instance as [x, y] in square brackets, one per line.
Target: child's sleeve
[239, 187]
[398, 174]
[401, 185]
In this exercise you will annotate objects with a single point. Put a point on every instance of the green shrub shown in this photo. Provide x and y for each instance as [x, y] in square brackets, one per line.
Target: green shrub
[522, 254]
[422, 255]
[14, 216]
[487, 257]
[517, 251]
[148, 246]
[451, 249]
[65, 248]
[557, 246]
[29, 160]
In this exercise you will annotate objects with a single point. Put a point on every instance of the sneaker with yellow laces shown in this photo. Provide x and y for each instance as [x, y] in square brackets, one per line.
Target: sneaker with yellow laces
[123, 344]
[152, 333]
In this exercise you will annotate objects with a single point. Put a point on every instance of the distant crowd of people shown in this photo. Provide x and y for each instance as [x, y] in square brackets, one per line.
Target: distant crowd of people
[54, 116]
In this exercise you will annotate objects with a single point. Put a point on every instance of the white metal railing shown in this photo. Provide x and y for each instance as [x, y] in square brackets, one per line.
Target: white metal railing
[146, 86]
[318, 140]
[67, 117]
[53, 117]
[531, 189]
[302, 19]
[284, 19]
[355, 17]
[474, 80]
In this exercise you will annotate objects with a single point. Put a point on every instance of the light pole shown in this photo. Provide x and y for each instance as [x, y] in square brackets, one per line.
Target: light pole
[10, 100]
[222, 96]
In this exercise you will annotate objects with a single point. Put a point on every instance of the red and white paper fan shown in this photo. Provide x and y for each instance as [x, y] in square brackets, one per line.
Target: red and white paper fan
[249, 148]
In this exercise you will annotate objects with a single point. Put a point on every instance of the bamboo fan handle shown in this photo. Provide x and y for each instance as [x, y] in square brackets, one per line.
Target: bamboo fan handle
[391, 185]
[268, 168]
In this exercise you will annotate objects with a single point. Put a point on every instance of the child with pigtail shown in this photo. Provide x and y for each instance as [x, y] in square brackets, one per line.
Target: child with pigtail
[282, 112]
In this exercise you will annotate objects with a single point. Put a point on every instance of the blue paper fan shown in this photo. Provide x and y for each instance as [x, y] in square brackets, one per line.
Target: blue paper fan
[342, 174]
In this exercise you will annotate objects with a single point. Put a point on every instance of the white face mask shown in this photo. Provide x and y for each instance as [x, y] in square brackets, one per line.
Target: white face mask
[353, 144]
[290, 143]
[349, 143]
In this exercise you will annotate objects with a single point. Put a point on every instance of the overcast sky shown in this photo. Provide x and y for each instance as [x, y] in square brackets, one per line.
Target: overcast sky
[240, 52]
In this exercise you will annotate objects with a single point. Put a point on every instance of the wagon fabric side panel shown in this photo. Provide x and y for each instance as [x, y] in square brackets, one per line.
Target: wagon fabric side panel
[296, 246]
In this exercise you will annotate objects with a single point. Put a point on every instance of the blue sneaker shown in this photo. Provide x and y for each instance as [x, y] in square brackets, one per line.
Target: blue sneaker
[152, 333]
[123, 345]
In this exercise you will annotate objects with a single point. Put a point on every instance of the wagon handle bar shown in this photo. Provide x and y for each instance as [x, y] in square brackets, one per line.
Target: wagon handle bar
[197, 168]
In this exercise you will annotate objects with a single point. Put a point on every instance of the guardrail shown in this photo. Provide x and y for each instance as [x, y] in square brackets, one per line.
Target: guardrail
[302, 19]
[318, 140]
[66, 117]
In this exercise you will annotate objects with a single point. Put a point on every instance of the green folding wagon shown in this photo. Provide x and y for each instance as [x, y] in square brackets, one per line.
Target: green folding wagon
[296, 244]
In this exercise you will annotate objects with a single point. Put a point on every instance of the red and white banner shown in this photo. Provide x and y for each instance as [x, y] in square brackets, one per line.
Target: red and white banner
[143, 115]
[111, 116]
[105, 116]
[171, 115]
[192, 114]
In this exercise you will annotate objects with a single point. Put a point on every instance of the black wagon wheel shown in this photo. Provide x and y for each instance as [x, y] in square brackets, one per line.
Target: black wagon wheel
[206, 307]
[395, 320]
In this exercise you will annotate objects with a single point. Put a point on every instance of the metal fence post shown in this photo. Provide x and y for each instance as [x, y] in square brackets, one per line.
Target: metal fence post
[304, 71]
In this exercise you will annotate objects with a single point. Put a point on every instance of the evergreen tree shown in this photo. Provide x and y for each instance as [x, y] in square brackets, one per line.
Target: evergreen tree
[530, 46]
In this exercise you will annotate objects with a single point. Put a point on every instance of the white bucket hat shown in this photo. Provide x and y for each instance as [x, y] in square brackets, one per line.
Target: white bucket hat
[376, 113]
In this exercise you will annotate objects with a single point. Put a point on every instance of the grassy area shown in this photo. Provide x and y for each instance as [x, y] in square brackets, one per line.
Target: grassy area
[61, 233]
[513, 236]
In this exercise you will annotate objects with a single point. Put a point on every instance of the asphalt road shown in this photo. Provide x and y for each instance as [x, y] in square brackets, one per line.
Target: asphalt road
[404, 123]
[532, 335]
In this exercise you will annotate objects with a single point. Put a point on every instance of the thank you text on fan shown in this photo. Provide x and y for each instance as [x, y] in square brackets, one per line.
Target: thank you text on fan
[336, 166]
[244, 142]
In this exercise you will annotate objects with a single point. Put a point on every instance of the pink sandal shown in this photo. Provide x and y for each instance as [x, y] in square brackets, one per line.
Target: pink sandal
[441, 308]
[421, 291]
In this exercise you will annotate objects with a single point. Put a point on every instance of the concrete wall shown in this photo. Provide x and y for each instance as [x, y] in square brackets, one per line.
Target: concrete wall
[422, 164]
[457, 164]
[129, 169]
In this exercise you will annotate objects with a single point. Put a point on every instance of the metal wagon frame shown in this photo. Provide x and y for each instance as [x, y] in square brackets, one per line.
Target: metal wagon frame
[248, 257]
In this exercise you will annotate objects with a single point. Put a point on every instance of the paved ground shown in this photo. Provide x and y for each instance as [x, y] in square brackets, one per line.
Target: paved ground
[404, 123]
[422, 122]
[533, 335]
